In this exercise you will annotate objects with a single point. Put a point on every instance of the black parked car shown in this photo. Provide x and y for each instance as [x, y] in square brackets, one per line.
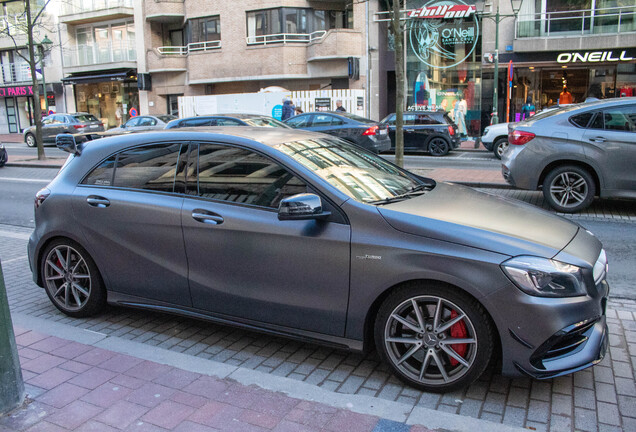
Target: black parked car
[429, 131]
[227, 120]
[350, 127]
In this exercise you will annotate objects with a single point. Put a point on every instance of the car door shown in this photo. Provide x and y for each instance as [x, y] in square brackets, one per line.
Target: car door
[129, 213]
[302, 121]
[131, 125]
[610, 141]
[244, 262]
[323, 123]
[50, 128]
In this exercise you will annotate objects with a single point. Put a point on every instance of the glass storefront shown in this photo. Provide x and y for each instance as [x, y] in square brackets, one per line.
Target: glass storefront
[109, 101]
[544, 85]
[443, 66]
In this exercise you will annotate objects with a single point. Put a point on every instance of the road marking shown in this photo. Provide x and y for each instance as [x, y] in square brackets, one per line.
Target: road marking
[9, 234]
[15, 259]
[16, 179]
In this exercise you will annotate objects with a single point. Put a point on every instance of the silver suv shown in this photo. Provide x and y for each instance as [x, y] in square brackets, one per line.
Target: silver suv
[575, 153]
[82, 125]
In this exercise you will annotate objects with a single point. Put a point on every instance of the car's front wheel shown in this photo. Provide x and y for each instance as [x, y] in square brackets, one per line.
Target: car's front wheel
[71, 279]
[434, 338]
[29, 139]
[499, 147]
[438, 147]
[569, 188]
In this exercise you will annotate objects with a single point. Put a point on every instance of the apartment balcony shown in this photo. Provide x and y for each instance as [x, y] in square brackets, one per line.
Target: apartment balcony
[165, 11]
[15, 73]
[87, 11]
[572, 30]
[167, 59]
[12, 24]
[336, 44]
[86, 58]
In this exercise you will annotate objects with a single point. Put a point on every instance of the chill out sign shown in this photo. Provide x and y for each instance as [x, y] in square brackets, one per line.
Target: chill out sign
[16, 91]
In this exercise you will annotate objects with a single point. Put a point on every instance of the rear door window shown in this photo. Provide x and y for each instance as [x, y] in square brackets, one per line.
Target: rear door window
[620, 118]
[199, 122]
[299, 121]
[238, 175]
[582, 120]
[322, 120]
[85, 118]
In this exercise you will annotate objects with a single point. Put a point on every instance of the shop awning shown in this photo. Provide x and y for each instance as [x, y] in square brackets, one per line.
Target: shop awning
[117, 76]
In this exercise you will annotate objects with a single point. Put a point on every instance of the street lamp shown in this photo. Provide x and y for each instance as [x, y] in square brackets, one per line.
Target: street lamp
[43, 46]
[479, 6]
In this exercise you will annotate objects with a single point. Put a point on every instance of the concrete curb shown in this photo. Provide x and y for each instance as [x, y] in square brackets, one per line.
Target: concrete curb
[391, 410]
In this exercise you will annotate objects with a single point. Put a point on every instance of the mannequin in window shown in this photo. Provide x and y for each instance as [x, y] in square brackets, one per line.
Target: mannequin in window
[565, 97]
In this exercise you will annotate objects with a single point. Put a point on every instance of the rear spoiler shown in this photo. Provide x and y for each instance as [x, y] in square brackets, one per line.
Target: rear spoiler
[67, 143]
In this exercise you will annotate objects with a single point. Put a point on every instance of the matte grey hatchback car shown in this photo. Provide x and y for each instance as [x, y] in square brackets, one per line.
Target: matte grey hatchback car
[84, 125]
[575, 153]
[303, 235]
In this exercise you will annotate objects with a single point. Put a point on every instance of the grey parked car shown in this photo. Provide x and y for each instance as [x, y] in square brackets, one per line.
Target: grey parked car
[141, 124]
[575, 153]
[85, 126]
[303, 235]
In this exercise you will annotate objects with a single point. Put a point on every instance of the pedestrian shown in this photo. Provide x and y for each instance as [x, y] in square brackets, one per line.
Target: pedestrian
[461, 109]
[339, 106]
[298, 110]
[288, 109]
[528, 109]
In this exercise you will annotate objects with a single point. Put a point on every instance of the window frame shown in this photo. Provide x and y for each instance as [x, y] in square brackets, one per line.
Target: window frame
[201, 26]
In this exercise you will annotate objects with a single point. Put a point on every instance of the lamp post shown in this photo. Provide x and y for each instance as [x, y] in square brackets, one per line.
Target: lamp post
[42, 47]
[479, 6]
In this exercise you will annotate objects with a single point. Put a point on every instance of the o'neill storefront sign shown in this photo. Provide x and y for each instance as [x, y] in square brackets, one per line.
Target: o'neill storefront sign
[594, 57]
[16, 91]
[443, 33]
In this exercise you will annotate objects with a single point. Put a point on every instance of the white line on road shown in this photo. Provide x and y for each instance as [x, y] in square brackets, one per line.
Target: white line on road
[16, 179]
[15, 259]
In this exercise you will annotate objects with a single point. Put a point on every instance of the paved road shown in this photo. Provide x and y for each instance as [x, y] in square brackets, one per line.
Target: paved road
[21, 150]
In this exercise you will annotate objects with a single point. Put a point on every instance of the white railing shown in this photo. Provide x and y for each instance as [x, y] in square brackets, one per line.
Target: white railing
[191, 47]
[12, 73]
[581, 22]
[286, 38]
[87, 55]
[81, 6]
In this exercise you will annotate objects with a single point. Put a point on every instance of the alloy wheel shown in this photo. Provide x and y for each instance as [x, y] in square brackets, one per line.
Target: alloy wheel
[430, 340]
[569, 189]
[67, 277]
[30, 140]
[501, 148]
[438, 147]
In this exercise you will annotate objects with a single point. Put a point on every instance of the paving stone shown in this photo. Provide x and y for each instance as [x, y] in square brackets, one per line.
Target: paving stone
[585, 419]
[74, 414]
[122, 414]
[584, 398]
[627, 405]
[518, 397]
[496, 418]
[514, 416]
[168, 414]
[625, 386]
[540, 390]
[538, 411]
[560, 423]
[606, 393]
[608, 413]
[562, 404]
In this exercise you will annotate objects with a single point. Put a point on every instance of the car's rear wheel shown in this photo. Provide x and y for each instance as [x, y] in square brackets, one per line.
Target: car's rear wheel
[71, 279]
[499, 147]
[29, 139]
[438, 146]
[569, 188]
[433, 337]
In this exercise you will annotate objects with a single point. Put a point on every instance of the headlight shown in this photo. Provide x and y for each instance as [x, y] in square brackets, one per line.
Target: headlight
[545, 278]
[486, 132]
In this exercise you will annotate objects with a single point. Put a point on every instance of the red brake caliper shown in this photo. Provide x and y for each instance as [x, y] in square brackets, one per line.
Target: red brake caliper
[458, 331]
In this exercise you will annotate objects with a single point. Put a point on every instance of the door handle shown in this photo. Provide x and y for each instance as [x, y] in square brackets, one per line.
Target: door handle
[598, 139]
[97, 201]
[207, 218]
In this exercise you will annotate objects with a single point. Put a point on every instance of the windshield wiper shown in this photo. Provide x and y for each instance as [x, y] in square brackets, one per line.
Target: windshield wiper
[415, 191]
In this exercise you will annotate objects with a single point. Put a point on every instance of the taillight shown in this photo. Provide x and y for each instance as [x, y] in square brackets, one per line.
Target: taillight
[41, 196]
[79, 126]
[373, 130]
[520, 137]
[451, 131]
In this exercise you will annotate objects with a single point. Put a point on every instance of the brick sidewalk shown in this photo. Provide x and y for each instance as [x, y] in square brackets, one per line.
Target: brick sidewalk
[78, 387]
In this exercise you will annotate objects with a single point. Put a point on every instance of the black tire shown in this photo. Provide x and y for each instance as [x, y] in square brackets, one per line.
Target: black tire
[30, 141]
[569, 188]
[3, 157]
[477, 327]
[438, 146]
[500, 145]
[55, 275]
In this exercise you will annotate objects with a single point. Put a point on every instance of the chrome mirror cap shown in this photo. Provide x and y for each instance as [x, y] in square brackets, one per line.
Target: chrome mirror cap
[301, 207]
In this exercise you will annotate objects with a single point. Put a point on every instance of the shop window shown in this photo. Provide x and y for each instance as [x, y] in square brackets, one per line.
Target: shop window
[205, 29]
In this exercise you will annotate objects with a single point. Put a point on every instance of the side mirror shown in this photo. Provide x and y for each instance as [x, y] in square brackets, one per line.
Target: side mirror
[67, 143]
[301, 207]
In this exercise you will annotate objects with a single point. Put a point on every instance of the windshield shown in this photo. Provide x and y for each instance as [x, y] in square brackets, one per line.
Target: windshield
[359, 174]
[265, 122]
[85, 118]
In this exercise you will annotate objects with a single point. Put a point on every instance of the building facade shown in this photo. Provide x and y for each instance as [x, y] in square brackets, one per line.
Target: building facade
[16, 85]
[209, 47]
[99, 46]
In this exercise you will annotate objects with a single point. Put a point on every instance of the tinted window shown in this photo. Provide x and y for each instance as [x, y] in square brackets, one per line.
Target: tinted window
[85, 118]
[238, 175]
[147, 121]
[149, 167]
[298, 121]
[59, 119]
[199, 122]
[228, 122]
[581, 120]
[166, 118]
[265, 122]
[133, 122]
[324, 120]
[424, 119]
[620, 119]
[103, 174]
[597, 123]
